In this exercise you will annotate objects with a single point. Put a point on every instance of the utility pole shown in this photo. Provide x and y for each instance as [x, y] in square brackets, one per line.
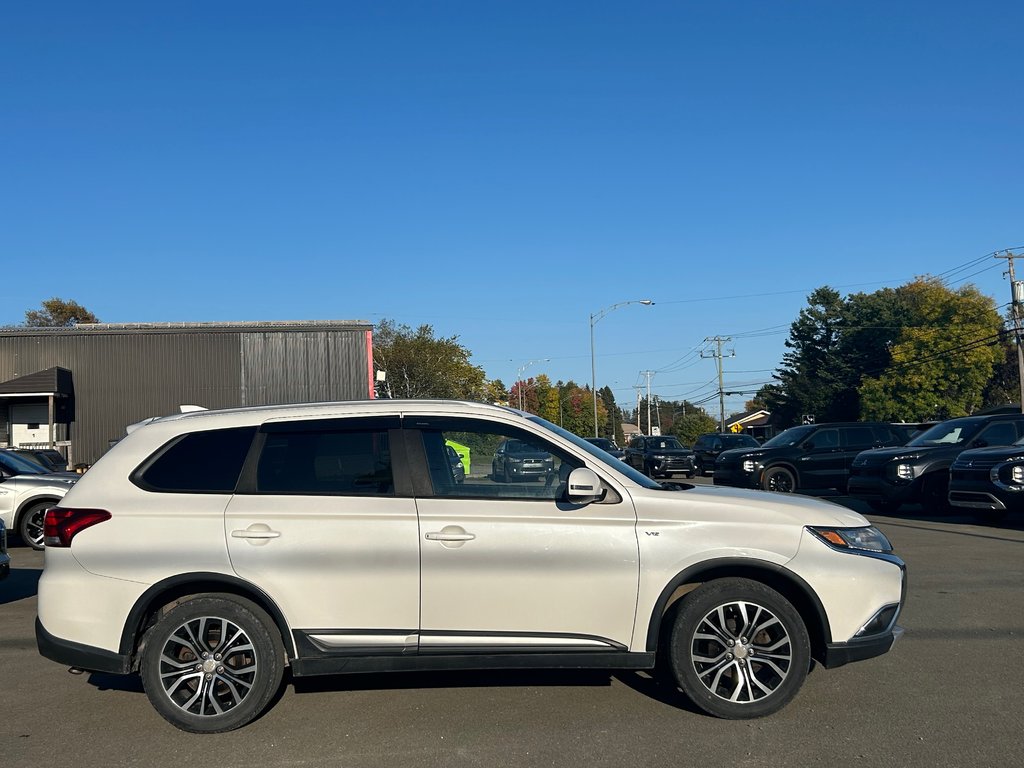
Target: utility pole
[717, 354]
[638, 388]
[648, 374]
[1016, 298]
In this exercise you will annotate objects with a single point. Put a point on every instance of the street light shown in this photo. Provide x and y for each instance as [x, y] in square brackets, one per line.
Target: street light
[519, 376]
[593, 365]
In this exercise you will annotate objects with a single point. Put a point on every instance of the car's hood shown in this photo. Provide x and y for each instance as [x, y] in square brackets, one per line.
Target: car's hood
[529, 455]
[718, 503]
[995, 453]
[878, 456]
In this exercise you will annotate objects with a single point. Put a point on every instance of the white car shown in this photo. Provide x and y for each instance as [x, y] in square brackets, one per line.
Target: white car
[207, 551]
[27, 490]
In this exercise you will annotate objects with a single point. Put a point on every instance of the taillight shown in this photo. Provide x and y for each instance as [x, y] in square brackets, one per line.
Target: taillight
[61, 524]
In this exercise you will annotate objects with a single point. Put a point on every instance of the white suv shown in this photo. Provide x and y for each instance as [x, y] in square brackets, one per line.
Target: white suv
[27, 490]
[207, 551]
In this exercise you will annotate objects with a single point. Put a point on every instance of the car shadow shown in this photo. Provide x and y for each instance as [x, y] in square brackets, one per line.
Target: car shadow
[19, 584]
[392, 681]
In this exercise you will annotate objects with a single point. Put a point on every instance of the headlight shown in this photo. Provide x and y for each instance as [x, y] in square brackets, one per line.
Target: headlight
[1017, 474]
[749, 465]
[869, 538]
[905, 471]
[658, 456]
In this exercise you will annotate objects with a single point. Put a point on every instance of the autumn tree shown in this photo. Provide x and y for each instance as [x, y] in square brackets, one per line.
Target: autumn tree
[59, 313]
[421, 365]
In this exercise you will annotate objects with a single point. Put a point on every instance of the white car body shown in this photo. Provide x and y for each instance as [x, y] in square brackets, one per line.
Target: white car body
[415, 580]
[21, 494]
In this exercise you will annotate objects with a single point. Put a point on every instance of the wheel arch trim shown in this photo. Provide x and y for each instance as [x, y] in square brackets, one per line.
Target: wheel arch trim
[182, 585]
[793, 588]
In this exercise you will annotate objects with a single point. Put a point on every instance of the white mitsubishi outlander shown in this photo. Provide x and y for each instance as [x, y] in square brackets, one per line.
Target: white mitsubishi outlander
[207, 551]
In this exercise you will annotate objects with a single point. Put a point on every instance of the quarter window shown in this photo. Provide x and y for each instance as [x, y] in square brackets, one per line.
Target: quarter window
[199, 462]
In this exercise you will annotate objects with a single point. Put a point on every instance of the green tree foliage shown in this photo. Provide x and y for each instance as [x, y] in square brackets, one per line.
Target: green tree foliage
[689, 427]
[942, 363]
[420, 365]
[864, 356]
[59, 313]
[610, 424]
[808, 379]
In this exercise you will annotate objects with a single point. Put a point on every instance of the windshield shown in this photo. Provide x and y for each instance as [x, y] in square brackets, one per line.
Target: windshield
[738, 441]
[665, 444]
[791, 436]
[952, 432]
[602, 456]
[19, 465]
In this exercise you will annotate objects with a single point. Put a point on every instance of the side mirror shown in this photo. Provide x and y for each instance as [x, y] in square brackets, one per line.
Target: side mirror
[584, 486]
[809, 446]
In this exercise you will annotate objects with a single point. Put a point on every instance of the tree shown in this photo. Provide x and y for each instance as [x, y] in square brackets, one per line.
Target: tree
[691, 426]
[807, 377]
[419, 365]
[59, 313]
[942, 364]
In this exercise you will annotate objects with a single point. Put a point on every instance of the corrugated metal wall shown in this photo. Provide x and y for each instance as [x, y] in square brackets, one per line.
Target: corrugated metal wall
[121, 377]
[303, 367]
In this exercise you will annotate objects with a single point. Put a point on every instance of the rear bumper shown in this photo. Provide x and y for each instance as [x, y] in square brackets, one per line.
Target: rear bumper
[80, 656]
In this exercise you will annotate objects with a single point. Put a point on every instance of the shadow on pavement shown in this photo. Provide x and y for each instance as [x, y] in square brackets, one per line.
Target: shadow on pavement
[21, 583]
[462, 679]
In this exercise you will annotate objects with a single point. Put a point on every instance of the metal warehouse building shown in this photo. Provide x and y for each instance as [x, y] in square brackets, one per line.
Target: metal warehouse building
[79, 387]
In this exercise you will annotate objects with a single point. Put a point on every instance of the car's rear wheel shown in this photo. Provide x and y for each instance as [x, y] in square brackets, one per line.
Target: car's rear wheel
[30, 524]
[738, 649]
[212, 663]
[779, 479]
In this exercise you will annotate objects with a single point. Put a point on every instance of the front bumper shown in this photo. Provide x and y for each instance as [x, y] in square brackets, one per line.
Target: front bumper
[838, 654]
[985, 496]
[736, 477]
[878, 488]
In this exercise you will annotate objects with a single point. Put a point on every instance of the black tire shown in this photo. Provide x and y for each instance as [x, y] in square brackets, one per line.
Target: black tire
[238, 676]
[935, 492]
[689, 475]
[779, 479]
[30, 524]
[743, 680]
[698, 467]
[494, 473]
[507, 477]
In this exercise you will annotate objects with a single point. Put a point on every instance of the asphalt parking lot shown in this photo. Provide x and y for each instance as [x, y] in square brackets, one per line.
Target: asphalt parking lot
[951, 693]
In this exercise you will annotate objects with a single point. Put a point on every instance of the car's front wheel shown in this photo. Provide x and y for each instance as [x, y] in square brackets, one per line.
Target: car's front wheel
[212, 663]
[738, 649]
[779, 479]
[30, 524]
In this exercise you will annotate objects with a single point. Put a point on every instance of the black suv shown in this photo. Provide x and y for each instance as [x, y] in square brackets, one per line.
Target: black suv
[989, 481]
[660, 456]
[808, 456]
[919, 471]
[708, 446]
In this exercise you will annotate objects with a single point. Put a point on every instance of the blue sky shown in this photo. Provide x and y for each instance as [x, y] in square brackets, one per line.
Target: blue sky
[502, 170]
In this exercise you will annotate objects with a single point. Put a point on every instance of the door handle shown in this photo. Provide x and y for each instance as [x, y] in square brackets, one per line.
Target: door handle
[257, 533]
[441, 536]
[450, 536]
